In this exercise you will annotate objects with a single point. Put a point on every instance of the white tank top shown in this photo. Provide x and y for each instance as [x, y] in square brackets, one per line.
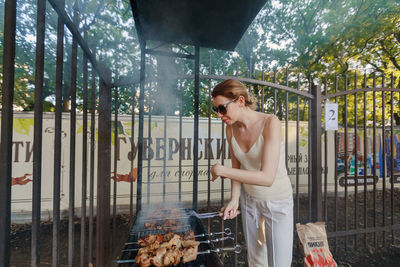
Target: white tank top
[281, 188]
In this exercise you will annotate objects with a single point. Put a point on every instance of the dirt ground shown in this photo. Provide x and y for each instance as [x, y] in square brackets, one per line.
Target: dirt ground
[348, 253]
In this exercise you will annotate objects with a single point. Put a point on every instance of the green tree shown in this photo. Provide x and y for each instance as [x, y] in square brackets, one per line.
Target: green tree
[314, 38]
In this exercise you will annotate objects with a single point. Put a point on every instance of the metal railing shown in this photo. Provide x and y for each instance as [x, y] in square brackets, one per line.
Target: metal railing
[104, 112]
[367, 169]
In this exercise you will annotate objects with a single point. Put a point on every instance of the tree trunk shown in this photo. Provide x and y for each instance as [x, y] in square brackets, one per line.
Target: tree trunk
[65, 105]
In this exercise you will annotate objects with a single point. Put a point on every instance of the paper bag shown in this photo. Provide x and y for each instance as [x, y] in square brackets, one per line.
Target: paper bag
[315, 245]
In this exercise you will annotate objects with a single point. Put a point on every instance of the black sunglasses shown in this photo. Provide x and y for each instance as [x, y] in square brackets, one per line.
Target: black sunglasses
[222, 108]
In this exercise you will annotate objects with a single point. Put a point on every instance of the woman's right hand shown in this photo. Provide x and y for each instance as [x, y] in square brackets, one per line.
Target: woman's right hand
[230, 210]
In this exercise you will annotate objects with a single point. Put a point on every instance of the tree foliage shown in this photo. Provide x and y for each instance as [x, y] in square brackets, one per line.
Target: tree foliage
[315, 39]
[110, 33]
[319, 37]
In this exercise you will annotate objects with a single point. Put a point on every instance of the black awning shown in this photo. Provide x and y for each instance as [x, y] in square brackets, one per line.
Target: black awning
[216, 24]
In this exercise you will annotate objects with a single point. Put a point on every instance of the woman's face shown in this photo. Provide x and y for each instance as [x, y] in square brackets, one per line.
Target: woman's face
[226, 109]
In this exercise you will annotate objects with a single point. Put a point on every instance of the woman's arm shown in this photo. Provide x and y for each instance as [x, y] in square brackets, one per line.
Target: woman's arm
[235, 185]
[230, 210]
[269, 161]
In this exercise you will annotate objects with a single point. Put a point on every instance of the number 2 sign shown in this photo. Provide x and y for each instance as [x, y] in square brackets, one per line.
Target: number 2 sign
[331, 116]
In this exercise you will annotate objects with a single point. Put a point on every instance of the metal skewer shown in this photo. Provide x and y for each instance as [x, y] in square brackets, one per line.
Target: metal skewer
[201, 242]
[227, 232]
[187, 215]
[237, 249]
[207, 215]
[208, 241]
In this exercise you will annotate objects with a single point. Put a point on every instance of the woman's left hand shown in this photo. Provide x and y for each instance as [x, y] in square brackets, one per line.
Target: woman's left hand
[230, 210]
[216, 171]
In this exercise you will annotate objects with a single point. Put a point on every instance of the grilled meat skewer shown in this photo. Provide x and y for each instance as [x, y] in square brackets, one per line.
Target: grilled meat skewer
[169, 251]
[151, 238]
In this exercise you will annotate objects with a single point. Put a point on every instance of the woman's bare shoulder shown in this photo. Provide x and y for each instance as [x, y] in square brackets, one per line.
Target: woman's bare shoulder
[272, 125]
[228, 131]
[268, 119]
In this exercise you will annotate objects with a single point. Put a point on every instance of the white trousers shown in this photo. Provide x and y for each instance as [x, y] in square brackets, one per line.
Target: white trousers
[268, 229]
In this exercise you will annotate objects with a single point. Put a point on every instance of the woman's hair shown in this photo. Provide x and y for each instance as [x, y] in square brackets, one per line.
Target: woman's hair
[232, 89]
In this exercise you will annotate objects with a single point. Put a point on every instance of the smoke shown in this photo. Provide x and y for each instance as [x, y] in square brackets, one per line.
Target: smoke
[166, 92]
[157, 214]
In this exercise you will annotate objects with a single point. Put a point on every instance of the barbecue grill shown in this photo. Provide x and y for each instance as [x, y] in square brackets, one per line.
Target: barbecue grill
[207, 23]
[209, 246]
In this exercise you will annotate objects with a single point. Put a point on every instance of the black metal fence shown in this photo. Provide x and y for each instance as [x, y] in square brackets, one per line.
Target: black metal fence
[104, 114]
[365, 162]
[293, 98]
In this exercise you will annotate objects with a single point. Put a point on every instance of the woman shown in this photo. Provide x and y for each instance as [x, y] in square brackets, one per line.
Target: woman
[258, 176]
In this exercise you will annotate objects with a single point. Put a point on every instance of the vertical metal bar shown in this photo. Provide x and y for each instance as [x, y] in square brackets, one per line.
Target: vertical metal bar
[223, 156]
[209, 146]
[383, 162]
[326, 164]
[257, 90]
[275, 94]
[287, 120]
[71, 211]
[262, 93]
[7, 129]
[355, 162]
[57, 143]
[297, 208]
[223, 148]
[250, 68]
[309, 153]
[141, 122]
[196, 125]
[165, 154]
[84, 157]
[92, 147]
[365, 160]
[236, 218]
[316, 155]
[236, 239]
[116, 150]
[103, 174]
[180, 139]
[132, 153]
[37, 138]
[336, 172]
[391, 156]
[150, 106]
[398, 87]
[374, 150]
[297, 196]
[345, 162]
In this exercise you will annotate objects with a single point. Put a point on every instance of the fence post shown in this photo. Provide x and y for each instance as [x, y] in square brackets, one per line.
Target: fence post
[103, 174]
[7, 96]
[316, 155]
[141, 125]
[196, 126]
